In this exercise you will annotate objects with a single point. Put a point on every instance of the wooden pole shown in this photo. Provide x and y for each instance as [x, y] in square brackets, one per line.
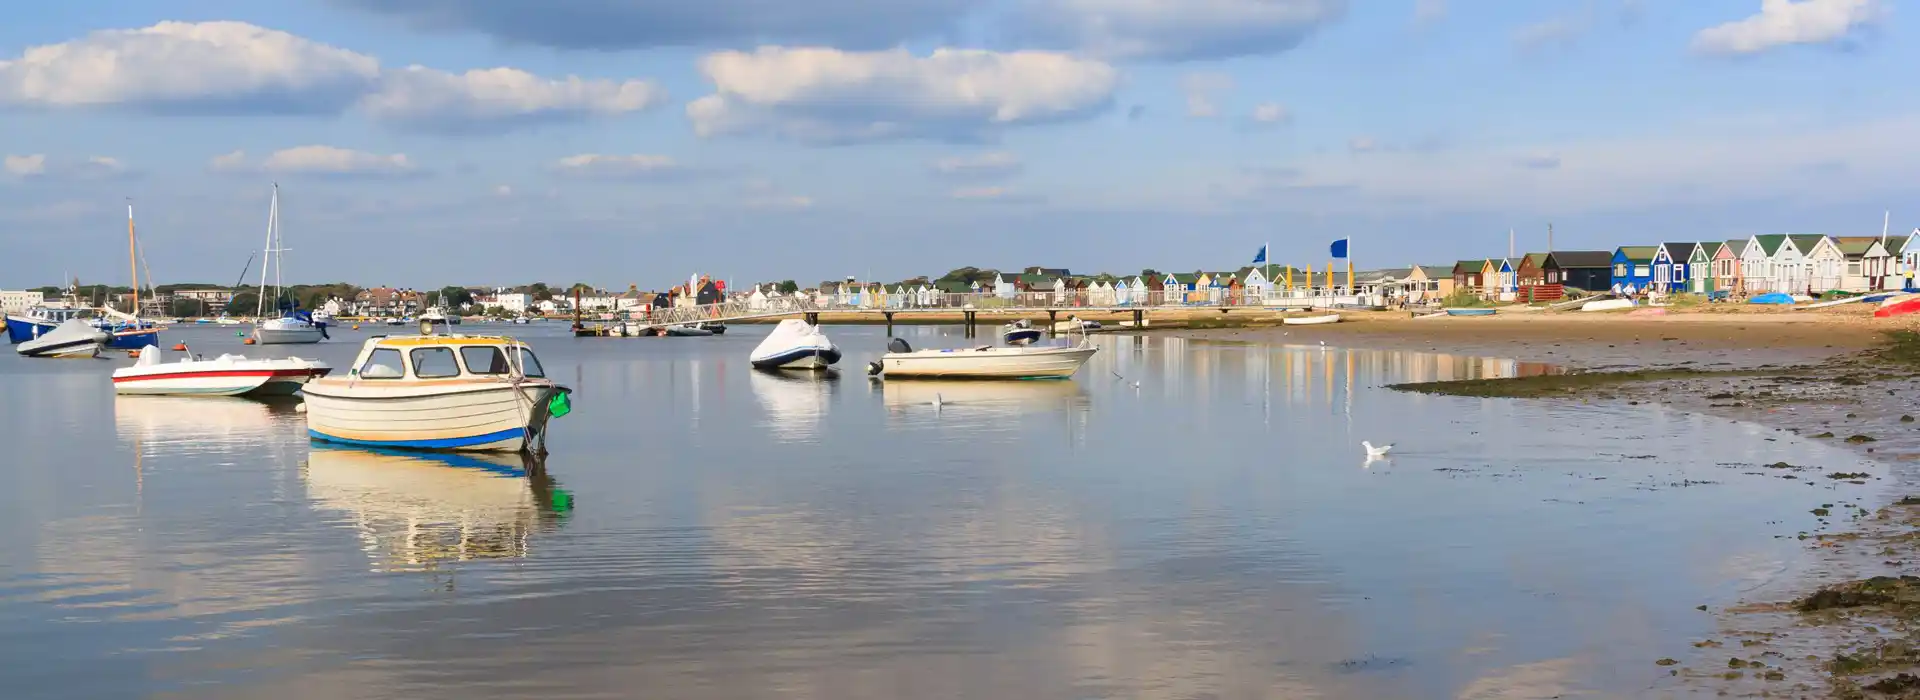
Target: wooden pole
[131, 264]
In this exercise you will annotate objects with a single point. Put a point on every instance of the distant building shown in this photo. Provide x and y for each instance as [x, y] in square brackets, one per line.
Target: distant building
[211, 301]
[13, 302]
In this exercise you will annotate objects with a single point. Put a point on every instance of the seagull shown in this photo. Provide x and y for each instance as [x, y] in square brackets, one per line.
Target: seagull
[937, 402]
[1375, 452]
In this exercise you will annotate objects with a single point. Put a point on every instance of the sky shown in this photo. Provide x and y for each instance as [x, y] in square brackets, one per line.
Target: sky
[425, 143]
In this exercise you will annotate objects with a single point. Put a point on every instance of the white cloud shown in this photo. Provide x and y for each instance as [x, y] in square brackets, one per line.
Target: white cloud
[39, 166]
[1362, 144]
[1174, 29]
[1272, 113]
[211, 66]
[234, 67]
[995, 164]
[833, 96]
[428, 98]
[1202, 89]
[617, 167]
[319, 161]
[1429, 11]
[1786, 22]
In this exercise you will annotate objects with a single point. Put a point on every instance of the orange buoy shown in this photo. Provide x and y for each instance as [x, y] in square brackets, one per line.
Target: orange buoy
[179, 347]
[356, 326]
[133, 353]
[248, 341]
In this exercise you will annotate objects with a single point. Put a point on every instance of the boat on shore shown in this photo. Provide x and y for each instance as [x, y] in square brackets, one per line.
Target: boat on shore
[226, 375]
[73, 338]
[1607, 305]
[1020, 332]
[1469, 312]
[1310, 320]
[427, 392]
[1052, 362]
[1900, 307]
[795, 344]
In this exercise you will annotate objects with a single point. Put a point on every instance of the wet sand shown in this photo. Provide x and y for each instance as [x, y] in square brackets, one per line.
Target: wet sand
[1833, 374]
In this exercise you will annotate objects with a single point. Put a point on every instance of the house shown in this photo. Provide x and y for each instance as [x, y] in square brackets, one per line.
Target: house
[1051, 272]
[1531, 271]
[211, 301]
[1177, 286]
[1898, 248]
[16, 302]
[1122, 292]
[1700, 268]
[1587, 270]
[1670, 266]
[1255, 284]
[1759, 264]
[1466, 275]
[1724, 266]
[1633, 267]
[1496, 275]
[1867, 261]
[1428, 283]
[1826, 265]
[1006, 285]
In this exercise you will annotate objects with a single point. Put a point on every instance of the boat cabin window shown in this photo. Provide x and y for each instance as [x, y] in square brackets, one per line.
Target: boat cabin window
[382, 363]
[485, 359]
[434, 363]
[530, 365]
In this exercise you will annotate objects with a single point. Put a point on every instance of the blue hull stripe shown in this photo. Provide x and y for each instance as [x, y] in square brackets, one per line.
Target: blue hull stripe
[440, 444]
[831, 357]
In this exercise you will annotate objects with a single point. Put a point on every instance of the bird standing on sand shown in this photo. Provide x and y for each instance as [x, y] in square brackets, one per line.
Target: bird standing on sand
[1374, 453]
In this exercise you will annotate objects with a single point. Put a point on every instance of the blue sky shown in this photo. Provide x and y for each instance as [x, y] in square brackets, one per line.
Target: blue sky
[637, 141]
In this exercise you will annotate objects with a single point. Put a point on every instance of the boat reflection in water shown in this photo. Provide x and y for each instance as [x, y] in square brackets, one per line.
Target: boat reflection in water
[982, 398]
[794, 401]
[416, 510]
[202, 423]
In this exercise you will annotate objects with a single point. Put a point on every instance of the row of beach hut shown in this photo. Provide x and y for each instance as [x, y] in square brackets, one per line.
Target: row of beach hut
[1757, 264]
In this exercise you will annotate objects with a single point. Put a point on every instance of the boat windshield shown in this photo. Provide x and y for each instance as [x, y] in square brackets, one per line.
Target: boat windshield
[530, 365]
[485, 359]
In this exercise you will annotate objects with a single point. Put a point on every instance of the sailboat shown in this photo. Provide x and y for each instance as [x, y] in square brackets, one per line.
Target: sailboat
[294, 326]
[127, 331]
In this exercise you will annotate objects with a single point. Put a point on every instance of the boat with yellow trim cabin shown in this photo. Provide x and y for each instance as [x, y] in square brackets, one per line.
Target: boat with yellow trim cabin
[438, 392]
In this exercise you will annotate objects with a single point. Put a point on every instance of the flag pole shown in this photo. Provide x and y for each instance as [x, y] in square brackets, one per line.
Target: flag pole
[1350, 288]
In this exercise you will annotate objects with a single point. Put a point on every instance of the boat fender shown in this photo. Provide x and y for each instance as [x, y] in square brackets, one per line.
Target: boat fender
[873, 368]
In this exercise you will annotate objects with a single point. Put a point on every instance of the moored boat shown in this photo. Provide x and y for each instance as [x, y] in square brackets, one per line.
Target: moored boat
[1469, 312]
[902, 361]
[74, 338]
[795, 344]
[1020, 332]
[475, 393]
[39, 320]
[226, 375]
[687, 331]
[1310, 320]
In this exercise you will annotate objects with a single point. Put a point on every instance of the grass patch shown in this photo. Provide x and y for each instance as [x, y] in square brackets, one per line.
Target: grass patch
[1464, 299]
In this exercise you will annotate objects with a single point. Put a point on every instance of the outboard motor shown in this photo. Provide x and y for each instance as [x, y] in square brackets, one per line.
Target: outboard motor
[898, 345]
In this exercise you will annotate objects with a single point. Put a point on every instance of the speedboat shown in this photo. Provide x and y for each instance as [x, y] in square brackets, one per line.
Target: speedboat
[427, 392]
[296, 328]
[38, 321]
[75, 337]
[435, 315]
[1020, 332]
[1074, 324]
[902, 361]
[687, 331]
[226, 375]
[715, 327]
[795, 344]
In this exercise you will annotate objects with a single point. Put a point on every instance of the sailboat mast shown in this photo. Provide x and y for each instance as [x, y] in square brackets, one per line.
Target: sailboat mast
[273, 211]
[132, 260]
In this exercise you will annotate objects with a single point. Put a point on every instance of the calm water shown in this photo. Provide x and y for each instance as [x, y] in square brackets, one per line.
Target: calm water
[706, 531]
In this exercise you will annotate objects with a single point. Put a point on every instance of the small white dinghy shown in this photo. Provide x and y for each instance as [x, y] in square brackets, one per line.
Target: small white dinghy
[75, 337]
[1607, 305]
[226, 375]
[902, 361]
[795, 344]
[1309, 320]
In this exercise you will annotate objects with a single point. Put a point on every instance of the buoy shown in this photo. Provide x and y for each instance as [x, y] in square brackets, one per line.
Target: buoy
[239, 334]
[133, 353]
[179, 347]
[248, 341]
[356, 326]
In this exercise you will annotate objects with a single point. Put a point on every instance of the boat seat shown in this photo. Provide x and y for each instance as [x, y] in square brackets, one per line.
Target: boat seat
[149, 356]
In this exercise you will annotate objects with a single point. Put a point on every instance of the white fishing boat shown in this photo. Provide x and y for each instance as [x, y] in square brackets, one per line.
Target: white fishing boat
[226, 375]
[1020, 332]
[902, 361]
[1607, 305]
[1310, 320]
[455, 392]
[295, 326]
[73, 338]
[795, 344]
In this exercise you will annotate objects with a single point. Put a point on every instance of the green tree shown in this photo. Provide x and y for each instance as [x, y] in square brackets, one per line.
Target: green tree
[452, 297]
[789, 286]
[184, 308]
[244, 304]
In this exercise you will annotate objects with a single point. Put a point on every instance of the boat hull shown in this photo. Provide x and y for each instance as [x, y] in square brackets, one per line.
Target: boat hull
[21, 329]
[72, 350]
[287, 336]
[134, 339]
[1310, 320]
[1021, 336]
[1607, 305]
[1898, 309]
[799, 358]
[986, 364]
[457, 416]
[1469, 312]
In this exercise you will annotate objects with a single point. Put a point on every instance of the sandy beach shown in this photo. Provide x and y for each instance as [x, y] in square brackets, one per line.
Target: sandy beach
[1833, 374]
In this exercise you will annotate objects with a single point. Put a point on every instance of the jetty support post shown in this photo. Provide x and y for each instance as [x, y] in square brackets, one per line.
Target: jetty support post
[1139, 318]
[970, 320]
[889, 315]
[813, 318]
[1053, 322]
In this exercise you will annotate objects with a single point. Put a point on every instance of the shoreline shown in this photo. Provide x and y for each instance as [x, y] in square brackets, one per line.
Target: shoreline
[1835, 375]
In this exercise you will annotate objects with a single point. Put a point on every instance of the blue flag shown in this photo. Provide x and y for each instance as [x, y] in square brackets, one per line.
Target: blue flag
[1339, 249]
[1261, 256]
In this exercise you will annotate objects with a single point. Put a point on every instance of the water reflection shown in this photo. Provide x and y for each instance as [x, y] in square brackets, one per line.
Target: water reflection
[794, 401]
[414, 511]
[171, 423]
